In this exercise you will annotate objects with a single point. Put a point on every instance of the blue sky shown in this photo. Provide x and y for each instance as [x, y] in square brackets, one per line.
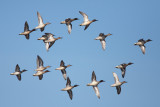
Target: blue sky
[127, 20]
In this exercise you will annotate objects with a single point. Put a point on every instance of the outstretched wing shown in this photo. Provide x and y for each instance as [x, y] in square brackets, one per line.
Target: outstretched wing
[96, 91]
[39, 61]
[69, 26]
[103, 43]
[143, 49]
[62, 63]
[115, 77]
[85, 17]
[64, 74]
[26, 27]
[70, 94]
[68, 82]
[118, 89]
[40, 77]
[86, 26]
[40, 20]
[93, 76]
[17, 68]
[19, 77]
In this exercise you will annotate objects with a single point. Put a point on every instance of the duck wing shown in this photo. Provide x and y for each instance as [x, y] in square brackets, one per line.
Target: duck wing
[96, 91]
[118, 89]
[70, 94]
[69, 26]
[86, 26]
[93, 76]
[62, 63]
[17, 68]
[68, 82]
[19, 77]
[123, 70]
[40, 77]
[26, 27]
[64, 74]
[27, 36]
[85, 17]
[143, 49]
[42, 29]
[39, 61]
[51, 43]
[40, 20]
[115, 77]
[103, 43]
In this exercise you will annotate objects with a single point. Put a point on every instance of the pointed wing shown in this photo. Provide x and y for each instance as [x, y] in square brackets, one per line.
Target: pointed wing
[40, 20]
[70, 94]
[27, 36]
[115, 77]
[64, 74]
[68, 82]
[17, 68]
[19, 77]
[51, 43]
[62, 63]
[26, 27]
[143, 49]
[40, 77]
[93, 76]
[118, 89]
[103, 43]
[123, 70]
[39, 61]
[96, 91]
[42, 29]
[86, 26]
[85, 17]
[47, 45]
[69, 26]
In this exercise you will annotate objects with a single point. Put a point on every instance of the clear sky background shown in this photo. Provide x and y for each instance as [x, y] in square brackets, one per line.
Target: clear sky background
[127, 20]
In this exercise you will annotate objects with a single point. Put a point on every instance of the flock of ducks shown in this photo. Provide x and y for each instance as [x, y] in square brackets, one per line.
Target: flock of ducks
[49, 40]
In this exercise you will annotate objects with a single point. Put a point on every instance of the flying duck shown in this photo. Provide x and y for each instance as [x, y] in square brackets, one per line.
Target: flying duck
[51, 40]
[102, 37]
[86, 21]
[123, 68]
[40, 68]
[117, 83]
[41, 25]
[45, 37]
[68, 23]
[141, 43]
[18, 72]
[26, 31]
[69, 88]
[63, 69]
[95, 83]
